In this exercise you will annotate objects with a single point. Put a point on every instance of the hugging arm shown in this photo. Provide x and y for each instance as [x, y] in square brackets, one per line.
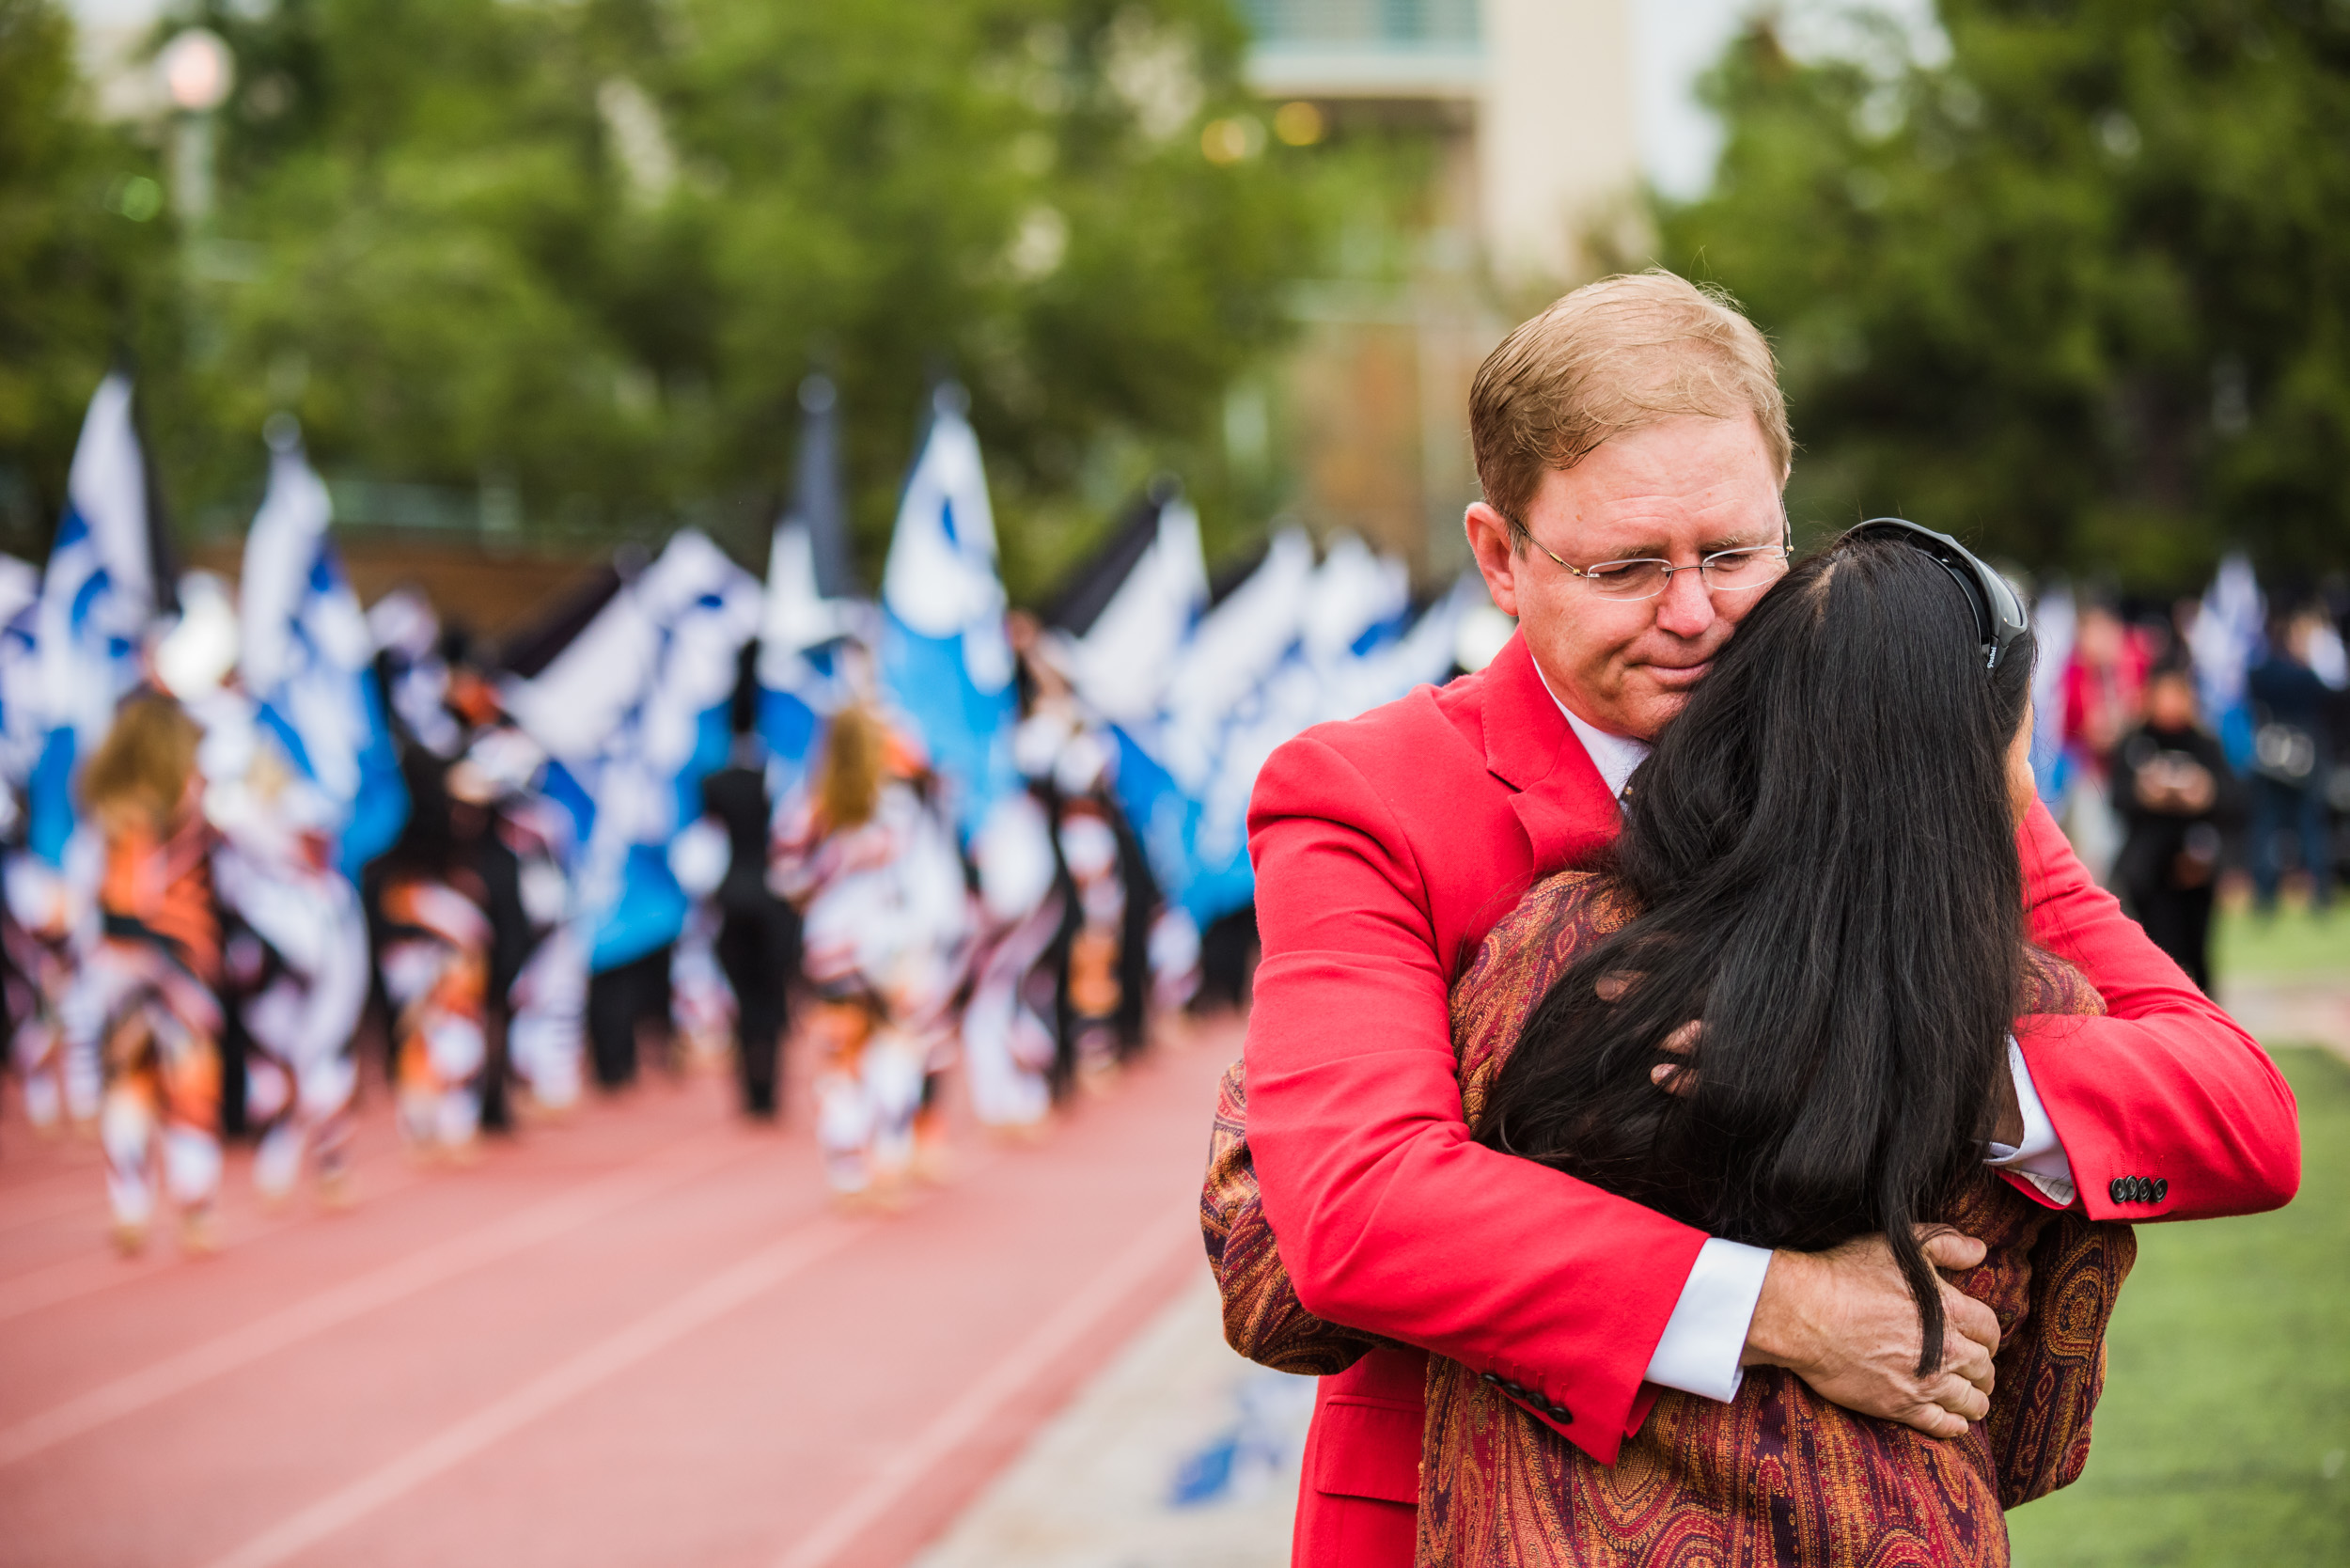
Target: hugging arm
[2165, 1108]
[1390, 1220]
[1263, 1319]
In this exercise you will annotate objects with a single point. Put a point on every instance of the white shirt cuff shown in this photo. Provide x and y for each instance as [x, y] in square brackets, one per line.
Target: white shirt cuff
[2040, 1159]
[1706, 1337]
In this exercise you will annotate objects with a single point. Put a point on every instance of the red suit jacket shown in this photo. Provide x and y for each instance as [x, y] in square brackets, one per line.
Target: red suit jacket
[1385, 848]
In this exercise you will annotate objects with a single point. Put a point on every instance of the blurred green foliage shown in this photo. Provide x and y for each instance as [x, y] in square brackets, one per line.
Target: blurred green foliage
[587, 250]
[80, 242]
[2081, 291]
[2288, 943]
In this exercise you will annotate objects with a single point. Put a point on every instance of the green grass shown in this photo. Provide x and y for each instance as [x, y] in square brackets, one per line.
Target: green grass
[2293, 941]
[2223, 1440]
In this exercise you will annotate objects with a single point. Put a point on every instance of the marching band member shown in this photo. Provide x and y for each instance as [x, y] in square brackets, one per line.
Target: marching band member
[435, 960]
[143, 1000]
[301, 969]
[872, 865]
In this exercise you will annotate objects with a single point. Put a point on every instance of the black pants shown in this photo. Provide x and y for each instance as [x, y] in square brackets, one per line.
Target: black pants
[2178, 920]
[759, 947]
[619, 1000]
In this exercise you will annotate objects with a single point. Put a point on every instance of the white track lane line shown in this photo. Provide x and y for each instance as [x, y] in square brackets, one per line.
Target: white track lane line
[240, 1347]
[1152, 1252]
[601, 1362]
[98, 1268]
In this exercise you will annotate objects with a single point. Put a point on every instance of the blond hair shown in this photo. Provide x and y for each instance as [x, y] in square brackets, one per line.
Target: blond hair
[145, 763]
[849, 773]
[1610, 358]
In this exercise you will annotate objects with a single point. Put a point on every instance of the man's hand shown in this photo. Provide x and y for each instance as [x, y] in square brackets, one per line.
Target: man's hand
[1844, 1321]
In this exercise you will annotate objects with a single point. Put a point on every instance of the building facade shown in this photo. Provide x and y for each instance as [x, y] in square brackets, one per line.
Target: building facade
[1529, 108]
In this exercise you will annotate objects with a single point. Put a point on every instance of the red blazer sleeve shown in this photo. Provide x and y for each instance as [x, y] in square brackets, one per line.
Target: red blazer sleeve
[1390, 1218]
[2166, 1086]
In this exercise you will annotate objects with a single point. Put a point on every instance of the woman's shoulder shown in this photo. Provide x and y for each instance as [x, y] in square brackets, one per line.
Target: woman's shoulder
[2053, 987]
[1559, 916]
[1528, 948]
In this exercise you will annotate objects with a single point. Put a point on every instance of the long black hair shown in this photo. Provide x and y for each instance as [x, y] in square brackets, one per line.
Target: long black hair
[1822, 855]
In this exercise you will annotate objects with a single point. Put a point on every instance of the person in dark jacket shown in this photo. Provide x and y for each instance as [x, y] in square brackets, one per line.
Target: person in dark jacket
[2292, 756]
[759, 939]
[759, 934]
[2174, 795]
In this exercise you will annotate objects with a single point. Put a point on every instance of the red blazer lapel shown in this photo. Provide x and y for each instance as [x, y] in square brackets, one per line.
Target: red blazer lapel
[1559, 798]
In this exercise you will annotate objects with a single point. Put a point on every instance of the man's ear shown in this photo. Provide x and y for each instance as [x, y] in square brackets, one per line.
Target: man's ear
[1497, 559]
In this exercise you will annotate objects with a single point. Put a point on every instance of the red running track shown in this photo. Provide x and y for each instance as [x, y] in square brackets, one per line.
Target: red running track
[643, 1337]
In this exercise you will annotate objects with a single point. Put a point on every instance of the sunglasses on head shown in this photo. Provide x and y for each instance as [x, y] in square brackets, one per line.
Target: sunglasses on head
[1999, 615]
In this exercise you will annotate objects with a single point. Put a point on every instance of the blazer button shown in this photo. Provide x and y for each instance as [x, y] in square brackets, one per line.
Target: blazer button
[1513, 1391]
[1491, 1377]
[2119, 1189]
[1560, 1414]
[2162, 1188]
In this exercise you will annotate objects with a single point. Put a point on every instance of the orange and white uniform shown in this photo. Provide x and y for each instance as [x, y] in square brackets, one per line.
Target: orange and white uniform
[436, 967]
[144, 1000]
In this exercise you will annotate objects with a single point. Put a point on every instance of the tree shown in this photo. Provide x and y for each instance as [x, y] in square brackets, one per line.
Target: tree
[592, 249]
[2080, 291]
[80, 240]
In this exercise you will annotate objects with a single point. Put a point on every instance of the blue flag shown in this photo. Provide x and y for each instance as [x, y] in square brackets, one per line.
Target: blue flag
[1294, 646]
[96, 600]
[946, 662]
[633, 711]
[308, 660]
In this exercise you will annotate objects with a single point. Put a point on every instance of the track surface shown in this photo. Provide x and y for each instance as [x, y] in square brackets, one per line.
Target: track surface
[640, 1337]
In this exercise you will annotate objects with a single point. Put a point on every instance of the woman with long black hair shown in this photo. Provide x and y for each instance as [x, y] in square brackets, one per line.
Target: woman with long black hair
[1779, 1010]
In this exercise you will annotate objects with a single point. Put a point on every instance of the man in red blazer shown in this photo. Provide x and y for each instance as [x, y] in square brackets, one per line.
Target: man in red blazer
[1635, 419]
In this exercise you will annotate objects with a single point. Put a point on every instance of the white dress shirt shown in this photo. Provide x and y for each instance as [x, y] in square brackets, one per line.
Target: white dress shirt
[1705, 1338]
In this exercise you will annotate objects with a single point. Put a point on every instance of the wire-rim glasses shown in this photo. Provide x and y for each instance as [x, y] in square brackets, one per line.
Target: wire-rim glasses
[1739, 570]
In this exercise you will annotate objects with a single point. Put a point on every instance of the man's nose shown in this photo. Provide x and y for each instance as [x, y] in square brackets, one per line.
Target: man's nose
[1685, 608]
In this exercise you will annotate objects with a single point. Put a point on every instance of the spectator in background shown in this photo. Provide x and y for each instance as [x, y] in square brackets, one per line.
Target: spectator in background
[2174, 795]
[2291, 752]
[2103, 688]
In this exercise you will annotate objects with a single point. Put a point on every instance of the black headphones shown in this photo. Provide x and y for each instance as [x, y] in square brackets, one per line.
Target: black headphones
[1999, 615]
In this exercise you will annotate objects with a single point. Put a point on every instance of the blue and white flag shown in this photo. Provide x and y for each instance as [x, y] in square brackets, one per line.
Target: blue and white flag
[22, 729]
[1294, 645]
[307, 659]
[634, 713]
[946, 662]
[2229, 631]
[1234, 649]
[21, 724]
[2054, 621]
[96, 600]
[1359, 601]
[1125, 615]
[812, 595]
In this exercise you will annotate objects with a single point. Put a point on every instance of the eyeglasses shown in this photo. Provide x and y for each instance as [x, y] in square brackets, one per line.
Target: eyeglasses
[2000, 618]
[1739, 570]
